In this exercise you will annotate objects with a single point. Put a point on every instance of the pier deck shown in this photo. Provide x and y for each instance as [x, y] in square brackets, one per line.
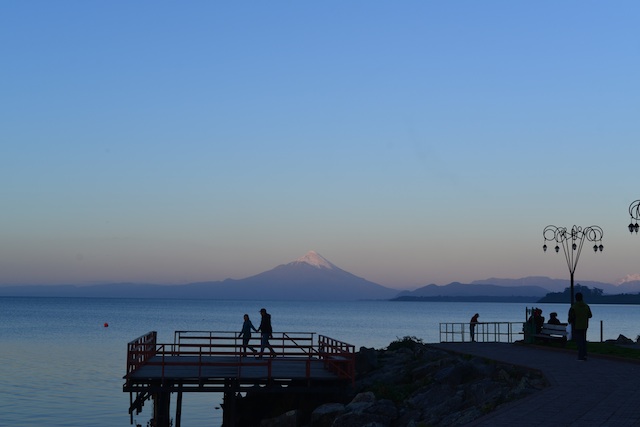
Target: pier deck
[209, 373]
[211, 361]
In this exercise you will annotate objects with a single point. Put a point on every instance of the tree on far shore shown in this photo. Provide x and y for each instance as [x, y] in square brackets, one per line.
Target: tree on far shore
[592, 296]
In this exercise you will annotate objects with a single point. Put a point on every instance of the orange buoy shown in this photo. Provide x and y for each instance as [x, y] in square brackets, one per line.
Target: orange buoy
[106, 325]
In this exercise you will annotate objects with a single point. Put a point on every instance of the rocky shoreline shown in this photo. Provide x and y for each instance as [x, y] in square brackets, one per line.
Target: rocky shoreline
[411, 384]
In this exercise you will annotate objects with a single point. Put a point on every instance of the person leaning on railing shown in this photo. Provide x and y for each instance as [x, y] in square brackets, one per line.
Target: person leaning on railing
[472, 326]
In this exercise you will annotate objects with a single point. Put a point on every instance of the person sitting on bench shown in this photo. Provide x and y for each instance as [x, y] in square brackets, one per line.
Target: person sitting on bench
[553, 319]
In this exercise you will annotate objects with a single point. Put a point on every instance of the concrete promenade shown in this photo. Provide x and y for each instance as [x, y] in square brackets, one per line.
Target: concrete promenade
[599, 392]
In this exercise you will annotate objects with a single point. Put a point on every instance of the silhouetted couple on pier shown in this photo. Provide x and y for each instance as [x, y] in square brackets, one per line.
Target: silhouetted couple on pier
[266, 333]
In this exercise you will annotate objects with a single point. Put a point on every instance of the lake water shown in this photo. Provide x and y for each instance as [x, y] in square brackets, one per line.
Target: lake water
[59, 365]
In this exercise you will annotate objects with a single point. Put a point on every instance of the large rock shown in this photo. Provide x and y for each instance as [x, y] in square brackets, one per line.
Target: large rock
[624, 340]
[325, 415]
[288, 419]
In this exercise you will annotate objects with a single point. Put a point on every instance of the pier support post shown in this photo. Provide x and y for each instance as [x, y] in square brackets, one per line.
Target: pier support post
[162, 409]
[230, 403]
[179, 409]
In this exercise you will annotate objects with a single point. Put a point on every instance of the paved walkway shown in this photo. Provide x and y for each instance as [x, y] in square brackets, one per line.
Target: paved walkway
[599, 392]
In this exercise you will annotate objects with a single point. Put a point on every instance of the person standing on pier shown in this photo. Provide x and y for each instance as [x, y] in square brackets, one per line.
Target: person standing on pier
[247, 326]
[266, 332]
[579, 315]
[472, 326]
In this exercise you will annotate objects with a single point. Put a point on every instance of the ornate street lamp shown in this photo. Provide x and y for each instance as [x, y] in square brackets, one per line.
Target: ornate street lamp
[634, 212]
[571, 242]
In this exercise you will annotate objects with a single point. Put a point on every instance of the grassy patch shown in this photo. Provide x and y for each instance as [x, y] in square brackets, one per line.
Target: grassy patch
[608, 349]
[395, 392]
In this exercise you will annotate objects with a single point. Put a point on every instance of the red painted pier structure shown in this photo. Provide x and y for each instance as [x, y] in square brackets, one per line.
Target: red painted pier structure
[213, 361]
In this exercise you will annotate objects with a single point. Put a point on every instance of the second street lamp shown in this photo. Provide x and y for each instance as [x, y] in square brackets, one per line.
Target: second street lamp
[571, 242]
[634, 212]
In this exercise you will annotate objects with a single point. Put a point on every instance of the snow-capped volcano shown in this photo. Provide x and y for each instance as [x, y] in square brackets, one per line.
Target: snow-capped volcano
[315, 259]
[308, 277]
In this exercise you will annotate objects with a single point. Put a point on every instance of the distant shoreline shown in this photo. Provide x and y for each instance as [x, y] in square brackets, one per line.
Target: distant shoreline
[632, 299]
[467, 299]
[553, 298]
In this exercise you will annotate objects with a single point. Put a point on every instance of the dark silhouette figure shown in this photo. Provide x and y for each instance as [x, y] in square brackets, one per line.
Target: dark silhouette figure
[247, 326]
[536, 319]
[472, 326]
[266, 332]
[579, 315]
[553, 319]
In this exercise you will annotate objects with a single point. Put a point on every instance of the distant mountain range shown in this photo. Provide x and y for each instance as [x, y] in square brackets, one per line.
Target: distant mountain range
[527, 289]
[474, 292]
[312, 277]
[629, 286]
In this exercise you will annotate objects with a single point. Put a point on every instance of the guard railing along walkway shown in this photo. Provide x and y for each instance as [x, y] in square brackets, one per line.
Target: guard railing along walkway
[507, 332]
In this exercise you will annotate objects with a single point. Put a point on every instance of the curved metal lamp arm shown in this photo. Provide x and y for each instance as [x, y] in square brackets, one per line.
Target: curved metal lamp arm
[572, 241]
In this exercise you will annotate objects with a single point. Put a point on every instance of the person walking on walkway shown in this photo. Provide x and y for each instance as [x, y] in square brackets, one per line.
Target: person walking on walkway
[579, 315]
[247, 326]
[472, 326]
[266, 332]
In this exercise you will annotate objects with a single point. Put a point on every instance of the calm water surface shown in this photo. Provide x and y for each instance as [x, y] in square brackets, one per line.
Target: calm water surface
[59, 365]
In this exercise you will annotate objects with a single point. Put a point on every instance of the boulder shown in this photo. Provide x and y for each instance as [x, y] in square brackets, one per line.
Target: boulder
[288, 419]
[325, 415]
[624, 340]
[352, 419]
[366, 396]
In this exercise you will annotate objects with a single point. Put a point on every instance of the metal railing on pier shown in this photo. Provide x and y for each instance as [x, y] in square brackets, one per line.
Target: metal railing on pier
[225, 343]
[225, 349]
[483, 332]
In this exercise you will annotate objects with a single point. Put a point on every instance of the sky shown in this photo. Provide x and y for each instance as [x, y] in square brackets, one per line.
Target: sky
[408, 143]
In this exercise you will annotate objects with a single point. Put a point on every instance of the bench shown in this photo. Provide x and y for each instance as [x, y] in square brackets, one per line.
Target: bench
[551, 332]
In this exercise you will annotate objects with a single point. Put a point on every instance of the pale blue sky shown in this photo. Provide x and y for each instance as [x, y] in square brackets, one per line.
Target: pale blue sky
[409, 142]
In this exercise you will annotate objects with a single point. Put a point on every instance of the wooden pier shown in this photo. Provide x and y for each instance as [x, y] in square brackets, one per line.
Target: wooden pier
[213, 361]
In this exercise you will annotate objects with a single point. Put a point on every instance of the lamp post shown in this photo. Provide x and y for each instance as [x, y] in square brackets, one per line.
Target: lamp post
[634, 211]
[571, 242]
